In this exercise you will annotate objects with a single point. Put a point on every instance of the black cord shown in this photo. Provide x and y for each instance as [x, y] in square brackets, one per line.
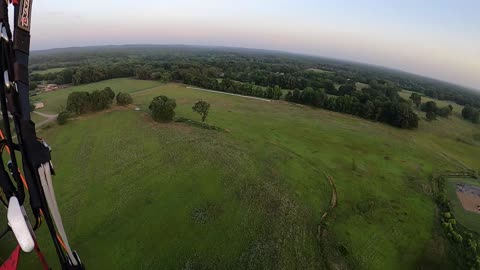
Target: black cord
[4, 202]
[5, 232]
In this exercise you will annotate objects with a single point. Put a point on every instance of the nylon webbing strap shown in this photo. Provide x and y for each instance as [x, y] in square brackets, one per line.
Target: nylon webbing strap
[14, 103]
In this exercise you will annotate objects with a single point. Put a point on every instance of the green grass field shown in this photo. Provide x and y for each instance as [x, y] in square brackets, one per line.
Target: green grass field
[50, 70]
[138, 194]
[466, 218]
[319, 70]
[54, 101]
[360, 85]
[457, 109]
[37, 118]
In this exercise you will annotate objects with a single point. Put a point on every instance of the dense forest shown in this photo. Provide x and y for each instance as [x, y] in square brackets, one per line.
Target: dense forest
[314, 81]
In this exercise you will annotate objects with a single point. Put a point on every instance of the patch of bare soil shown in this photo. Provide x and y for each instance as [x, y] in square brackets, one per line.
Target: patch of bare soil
[469, 196]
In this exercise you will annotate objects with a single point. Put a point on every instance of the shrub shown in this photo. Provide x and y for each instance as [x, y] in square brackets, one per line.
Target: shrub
[124, 99]
[162, 109]
[62, 117]
[444, 111]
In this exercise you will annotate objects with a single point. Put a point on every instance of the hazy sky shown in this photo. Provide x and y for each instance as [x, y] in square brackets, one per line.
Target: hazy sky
[437, 38]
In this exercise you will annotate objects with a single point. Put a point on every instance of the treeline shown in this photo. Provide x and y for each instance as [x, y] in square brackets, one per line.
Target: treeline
[227, 85]
[383, 105]
[247, 72]
[82, 102]
[471, 113]
[85, 74]
[262, 68]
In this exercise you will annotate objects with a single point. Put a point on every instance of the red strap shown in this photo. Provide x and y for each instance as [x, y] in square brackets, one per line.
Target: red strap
[15, 2]
[40, 257]
[12, 262]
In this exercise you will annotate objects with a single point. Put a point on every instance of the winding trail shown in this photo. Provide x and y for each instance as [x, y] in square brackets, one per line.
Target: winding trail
[333, 204]
[226, 93]
[50, 118]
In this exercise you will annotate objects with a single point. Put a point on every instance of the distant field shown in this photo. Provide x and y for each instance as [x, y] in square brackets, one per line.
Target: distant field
[457, 109]
[163, 196]
[50, 70]
[55, 100]
[469, 219]
[319, 70]
[360, 85]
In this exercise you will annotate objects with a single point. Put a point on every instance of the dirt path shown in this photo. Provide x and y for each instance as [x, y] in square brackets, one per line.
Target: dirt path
[333, 199]
[145, 90]
[333, 204]
[50, 118]
[225, 93]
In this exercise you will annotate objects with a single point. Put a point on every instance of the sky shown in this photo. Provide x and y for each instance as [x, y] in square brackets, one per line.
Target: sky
[435, 38]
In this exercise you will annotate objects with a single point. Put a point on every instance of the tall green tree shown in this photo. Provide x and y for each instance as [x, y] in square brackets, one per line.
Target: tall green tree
[416, 98]
[162, 109]
[78, 102]
[124, 99]
[143, 73]
[109, 92]
[471, 113]
[202, 108]
[431, 109]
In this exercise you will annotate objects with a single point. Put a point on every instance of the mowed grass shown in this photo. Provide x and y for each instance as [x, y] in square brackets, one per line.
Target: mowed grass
[37, 118]
[468, 219]
[56, 100]
[46, 71]
[137, 194]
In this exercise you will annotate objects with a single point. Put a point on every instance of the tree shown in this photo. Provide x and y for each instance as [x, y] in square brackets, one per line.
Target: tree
[444, 111]
[78, 102]
[32, 86]
[143, 73]
[202, 108]
[347, 89]
[429, 106]
[277, 92]
[431, 109]
[162, 109]
[77, 77]
[100, 100]
[67, 75]
[110, 93]
[471, 113]
[416, 98]
[288, 96]
[124, 99]
[62, 117]
[296, 96]
[430, 116]
[329, 88]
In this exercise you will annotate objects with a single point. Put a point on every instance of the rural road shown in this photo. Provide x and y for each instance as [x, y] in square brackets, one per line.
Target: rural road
[50, 118]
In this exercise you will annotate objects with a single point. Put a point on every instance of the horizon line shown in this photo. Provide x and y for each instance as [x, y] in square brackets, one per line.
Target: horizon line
[471, 88]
